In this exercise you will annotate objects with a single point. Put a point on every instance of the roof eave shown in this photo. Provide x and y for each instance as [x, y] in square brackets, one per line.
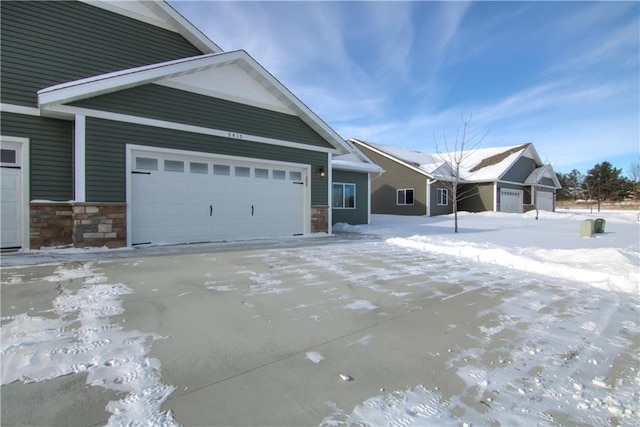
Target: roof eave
[119, 80]
[390, 157]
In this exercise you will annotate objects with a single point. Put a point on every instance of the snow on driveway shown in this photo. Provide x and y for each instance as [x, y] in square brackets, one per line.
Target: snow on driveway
[560, 346]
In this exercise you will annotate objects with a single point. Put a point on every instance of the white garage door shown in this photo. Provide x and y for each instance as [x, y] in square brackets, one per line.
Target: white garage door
[11, 196]
[181, 199]
[511, 200]
[544, 200]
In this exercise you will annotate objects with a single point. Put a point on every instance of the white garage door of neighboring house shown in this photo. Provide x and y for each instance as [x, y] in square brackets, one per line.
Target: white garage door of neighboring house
[544, 200]
[12, 199]
[511, 200]
[181, 199]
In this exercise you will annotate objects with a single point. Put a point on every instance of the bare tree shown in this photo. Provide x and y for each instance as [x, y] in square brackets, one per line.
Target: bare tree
[454, 154]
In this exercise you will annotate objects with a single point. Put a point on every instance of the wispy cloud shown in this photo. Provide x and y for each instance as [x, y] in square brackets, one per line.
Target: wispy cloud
[555, 73]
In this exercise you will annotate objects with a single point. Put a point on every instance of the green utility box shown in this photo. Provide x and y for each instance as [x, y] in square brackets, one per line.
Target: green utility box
[586, 228]
[598, 226]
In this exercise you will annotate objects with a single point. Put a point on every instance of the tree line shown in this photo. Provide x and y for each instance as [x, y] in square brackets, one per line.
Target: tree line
[602, 182]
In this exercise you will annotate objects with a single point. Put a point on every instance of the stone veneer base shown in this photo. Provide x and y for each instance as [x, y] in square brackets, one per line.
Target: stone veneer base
[78, 224]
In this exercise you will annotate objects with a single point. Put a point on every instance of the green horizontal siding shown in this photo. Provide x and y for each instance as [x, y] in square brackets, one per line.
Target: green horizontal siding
[163, 103]
[51, 154]
[359, 215]
[47, 43]
[106, 148]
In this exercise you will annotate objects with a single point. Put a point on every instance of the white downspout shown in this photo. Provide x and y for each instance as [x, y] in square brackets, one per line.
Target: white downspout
[428, 197]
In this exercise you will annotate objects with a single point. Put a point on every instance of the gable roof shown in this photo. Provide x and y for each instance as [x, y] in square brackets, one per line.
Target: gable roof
[161, 14]
[50, 97]
[478, 165]
[545, 171]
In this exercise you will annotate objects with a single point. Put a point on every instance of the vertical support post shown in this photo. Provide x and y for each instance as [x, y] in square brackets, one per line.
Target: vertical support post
[79, 153]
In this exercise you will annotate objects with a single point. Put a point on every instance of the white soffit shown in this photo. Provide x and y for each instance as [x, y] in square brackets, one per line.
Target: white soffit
[229, 82]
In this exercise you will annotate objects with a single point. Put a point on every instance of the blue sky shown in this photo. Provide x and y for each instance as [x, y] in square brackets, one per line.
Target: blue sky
[563, 75]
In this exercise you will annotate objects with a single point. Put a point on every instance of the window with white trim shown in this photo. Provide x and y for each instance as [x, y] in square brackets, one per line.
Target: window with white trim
[344, 195]
[443, 196]
[404, 197]
[8, 156]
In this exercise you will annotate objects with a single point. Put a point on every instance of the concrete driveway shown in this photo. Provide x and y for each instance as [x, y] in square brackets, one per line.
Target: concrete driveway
[260, 333]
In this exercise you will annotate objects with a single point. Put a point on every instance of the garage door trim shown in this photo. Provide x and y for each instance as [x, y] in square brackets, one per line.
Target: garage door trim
[21, 145]
[132, 149]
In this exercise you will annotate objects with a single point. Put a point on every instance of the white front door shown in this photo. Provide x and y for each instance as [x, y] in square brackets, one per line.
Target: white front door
[11, 195]
[191, 199]
[511, 200]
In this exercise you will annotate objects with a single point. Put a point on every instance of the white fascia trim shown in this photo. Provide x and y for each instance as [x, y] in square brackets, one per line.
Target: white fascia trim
[356, 167]
[110, 82]
[183, 127]
[79, 158]
[395, 159]
[184, 27]
[19, 109]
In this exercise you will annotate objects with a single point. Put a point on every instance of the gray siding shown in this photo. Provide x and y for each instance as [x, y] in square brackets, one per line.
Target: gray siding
[476, 197]
[163, 103]
[384, 189]
[547, 181]
[520, 171]
[440, 209]
[359, 215]
[46, 43]
[51, 154]
[105, 155]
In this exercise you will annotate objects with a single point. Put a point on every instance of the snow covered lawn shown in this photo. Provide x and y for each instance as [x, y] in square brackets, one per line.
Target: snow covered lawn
[512, 321]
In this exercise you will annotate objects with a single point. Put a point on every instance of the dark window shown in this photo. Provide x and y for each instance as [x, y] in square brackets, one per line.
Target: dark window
[405, 196]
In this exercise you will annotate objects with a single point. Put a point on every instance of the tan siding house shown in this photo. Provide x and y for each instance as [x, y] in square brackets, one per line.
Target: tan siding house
[502, 179]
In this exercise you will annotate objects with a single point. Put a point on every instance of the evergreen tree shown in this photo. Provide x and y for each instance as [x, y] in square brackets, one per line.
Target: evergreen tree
[604, 182]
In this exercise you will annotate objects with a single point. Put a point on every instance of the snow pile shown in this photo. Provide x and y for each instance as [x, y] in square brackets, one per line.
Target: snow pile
[549, 246]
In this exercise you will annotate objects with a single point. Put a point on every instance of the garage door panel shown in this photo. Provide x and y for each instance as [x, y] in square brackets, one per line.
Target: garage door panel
[511, 201]
[544, 200]
[12, 200]
[225, 200]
